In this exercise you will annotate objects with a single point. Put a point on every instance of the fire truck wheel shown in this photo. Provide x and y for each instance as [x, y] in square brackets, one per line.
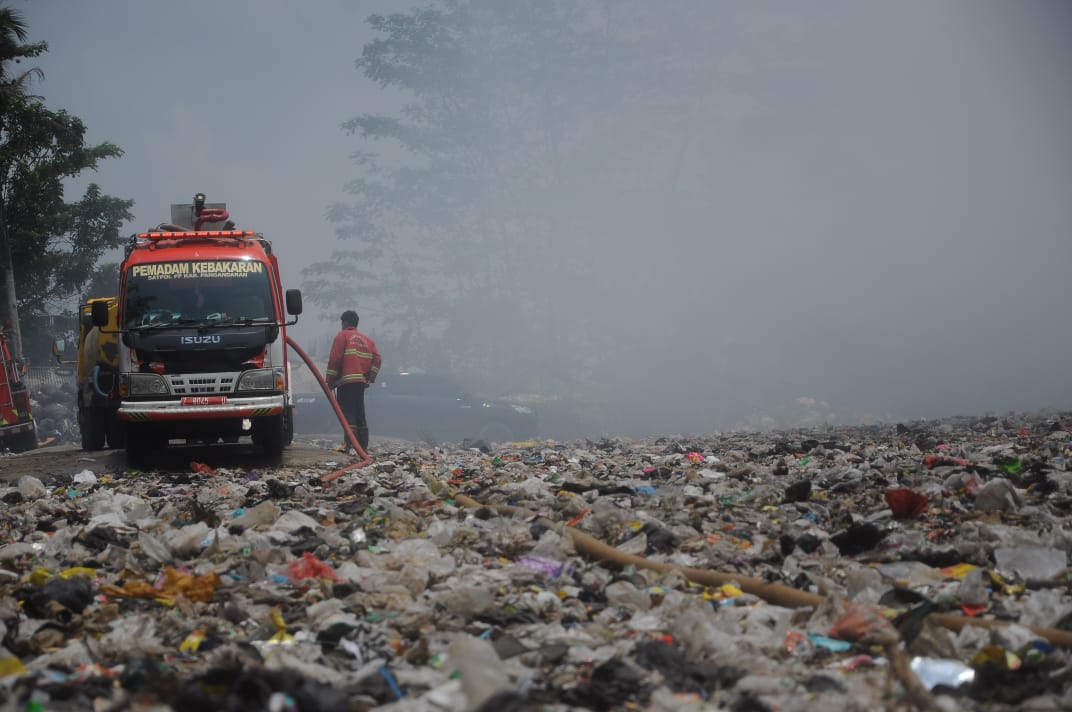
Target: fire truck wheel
[24, 442]
[93, 426]
[143, 441]
[269, 435]
[288, 426]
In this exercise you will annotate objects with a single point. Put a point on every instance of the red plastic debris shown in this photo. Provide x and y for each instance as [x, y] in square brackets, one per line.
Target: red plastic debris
[579, 518]
[309, 566]
[201, 468]
[864, 624]
[858, 662]
[906, 502]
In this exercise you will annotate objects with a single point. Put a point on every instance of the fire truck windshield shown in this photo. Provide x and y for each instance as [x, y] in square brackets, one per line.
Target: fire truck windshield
[202, 292]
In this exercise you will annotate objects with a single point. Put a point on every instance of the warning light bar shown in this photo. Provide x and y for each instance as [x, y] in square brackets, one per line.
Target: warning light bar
[195, 234]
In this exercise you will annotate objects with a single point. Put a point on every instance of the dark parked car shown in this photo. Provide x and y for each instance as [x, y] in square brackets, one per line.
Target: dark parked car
[419, 406]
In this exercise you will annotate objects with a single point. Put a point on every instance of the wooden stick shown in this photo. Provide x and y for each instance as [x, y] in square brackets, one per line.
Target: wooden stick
[776, 593]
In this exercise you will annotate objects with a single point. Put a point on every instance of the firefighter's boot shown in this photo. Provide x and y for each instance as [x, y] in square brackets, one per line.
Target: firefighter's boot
[347, 445]
[362, 438]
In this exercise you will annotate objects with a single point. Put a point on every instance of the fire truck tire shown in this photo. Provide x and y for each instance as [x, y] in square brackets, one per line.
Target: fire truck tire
[93, 426]
[24, 442]
[143, 441]
[269, 434]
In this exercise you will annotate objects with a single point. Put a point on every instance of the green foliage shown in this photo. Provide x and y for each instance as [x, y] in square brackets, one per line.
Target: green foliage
[13, 32]
[104, 282]
[53, 245]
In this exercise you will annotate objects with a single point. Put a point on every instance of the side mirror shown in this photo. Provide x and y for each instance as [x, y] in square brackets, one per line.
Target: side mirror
[294, 303]
[58, 347]
[100, 314]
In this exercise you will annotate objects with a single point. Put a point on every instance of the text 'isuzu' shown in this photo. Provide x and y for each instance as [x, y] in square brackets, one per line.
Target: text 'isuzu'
[202, 324]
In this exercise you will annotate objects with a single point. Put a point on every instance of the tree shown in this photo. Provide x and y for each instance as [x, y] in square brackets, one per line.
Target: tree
[12, 90]
[49, 246]
[549, 159]
[104, 282]
[509, 120]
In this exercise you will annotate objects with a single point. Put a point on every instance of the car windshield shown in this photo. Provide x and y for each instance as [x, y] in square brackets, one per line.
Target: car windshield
[189, 292]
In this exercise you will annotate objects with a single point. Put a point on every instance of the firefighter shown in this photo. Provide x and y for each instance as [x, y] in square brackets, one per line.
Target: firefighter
[353, 365]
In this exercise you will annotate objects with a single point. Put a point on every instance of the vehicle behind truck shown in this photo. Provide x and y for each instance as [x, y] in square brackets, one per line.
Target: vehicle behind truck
[97, 377]
[202, 323]
[18, 432]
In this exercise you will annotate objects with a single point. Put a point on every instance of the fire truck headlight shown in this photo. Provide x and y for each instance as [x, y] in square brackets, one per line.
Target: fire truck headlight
[146, 384]
[261, 379]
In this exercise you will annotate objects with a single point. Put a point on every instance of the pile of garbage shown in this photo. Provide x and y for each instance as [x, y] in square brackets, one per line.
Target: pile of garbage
[55, 411]
[921, 565]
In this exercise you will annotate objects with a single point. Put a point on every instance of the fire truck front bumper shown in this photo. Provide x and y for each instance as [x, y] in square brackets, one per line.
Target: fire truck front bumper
[201, 408]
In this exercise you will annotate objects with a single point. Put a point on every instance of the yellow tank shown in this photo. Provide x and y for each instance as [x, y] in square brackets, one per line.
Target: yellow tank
[97, 369]
[94, 347]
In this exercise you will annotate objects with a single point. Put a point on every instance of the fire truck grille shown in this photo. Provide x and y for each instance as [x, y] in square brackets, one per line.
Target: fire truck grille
[202, 384]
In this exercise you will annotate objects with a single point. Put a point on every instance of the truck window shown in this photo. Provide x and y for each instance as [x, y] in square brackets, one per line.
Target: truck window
[195, 291]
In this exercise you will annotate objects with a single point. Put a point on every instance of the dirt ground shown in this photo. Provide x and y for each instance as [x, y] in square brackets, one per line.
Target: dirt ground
[63, 461]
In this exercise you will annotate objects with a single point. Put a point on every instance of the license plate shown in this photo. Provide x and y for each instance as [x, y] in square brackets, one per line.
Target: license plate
[204, 400]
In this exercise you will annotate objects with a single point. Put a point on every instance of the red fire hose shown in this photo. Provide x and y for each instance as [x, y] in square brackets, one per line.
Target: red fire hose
[211, 215]
[338, 414]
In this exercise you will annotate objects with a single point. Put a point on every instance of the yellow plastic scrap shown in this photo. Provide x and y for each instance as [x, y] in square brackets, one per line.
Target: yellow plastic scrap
[193, 641]
[176, 583]
[1008, 588]
[78, 571]
[722, 593]
[958, 571]
[39, 576]
[281, 636]
[11, 666]
[131, 589]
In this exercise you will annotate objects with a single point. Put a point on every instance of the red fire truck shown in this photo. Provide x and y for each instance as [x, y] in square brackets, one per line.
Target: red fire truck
[17, 430]
[202, 326]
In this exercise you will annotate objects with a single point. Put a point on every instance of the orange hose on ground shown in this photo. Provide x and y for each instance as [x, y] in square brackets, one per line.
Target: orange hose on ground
[366, 459]
[776, 593]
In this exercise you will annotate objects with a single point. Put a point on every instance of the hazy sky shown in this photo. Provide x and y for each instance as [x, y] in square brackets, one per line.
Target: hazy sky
[897, 179]
[241, 100]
